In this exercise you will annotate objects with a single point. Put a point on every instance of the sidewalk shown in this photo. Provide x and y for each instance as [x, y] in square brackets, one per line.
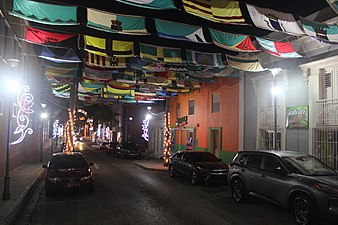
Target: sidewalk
[151, 164]
[24, 179]
[22, 182]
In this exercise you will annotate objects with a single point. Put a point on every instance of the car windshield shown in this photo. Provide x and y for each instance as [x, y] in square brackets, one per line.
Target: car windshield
[130, 146]
[68, 161]
[203, 157]
[308, 165]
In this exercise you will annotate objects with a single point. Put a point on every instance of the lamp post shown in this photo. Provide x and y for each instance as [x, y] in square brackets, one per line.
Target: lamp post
[275, 92]
[13, 86]
[6, 194]
[44, 115]
[130, 118]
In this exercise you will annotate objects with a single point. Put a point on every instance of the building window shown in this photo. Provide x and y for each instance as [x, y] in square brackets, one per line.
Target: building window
[215, 103]
[191, 107]
[178, 109]
[266, 140]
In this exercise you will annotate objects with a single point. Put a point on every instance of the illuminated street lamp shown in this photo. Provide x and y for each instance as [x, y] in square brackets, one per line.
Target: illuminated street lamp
[275, 91]
[12, 86]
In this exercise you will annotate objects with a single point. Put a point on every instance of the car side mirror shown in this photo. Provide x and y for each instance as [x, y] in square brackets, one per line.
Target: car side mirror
[279, 170]
[44, 166]
[91, 164]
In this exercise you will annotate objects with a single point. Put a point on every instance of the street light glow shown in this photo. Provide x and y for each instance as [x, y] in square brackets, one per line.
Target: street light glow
[275, 91]
[148, 116]
[44, 115]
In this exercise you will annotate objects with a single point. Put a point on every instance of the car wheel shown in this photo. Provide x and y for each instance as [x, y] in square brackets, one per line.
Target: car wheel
[303, 210]
[194, 177]
[238, 191]
[172, 172]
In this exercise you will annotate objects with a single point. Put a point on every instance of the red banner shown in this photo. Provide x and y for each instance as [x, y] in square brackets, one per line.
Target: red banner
[44, 37]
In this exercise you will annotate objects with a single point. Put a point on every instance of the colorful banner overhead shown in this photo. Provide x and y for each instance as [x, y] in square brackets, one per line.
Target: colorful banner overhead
[60, 55]
[161, 54]
[116, 23]
[297, 116]
[97, 76]
[179, 31]
[245, 64]
[151, 4]
[280, 49]
[98, 62]
[204, 59]
[44, 13]
[273, 20]
[215, 10]
[99, 46]
[234, 42]
[321, 31]
[333, 4]
[44, 37]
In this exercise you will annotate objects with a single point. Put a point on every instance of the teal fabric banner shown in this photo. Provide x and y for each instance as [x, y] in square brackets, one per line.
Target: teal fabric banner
[151, 4]
[44, 13]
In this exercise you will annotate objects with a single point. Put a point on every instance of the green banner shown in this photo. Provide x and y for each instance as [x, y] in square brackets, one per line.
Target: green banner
[297, 116]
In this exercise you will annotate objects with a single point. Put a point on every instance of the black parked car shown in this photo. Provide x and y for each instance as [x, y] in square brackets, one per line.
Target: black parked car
[68, 171]
[128, 150]
[198, 166]
[296, 181]
[109, 147]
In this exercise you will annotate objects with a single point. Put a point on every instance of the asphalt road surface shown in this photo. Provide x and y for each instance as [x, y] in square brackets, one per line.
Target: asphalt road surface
[128, 194]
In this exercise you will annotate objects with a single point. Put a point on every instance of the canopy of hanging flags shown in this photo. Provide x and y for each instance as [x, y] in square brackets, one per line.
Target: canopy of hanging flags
[44, 13]
[234, 42]
[179, 31]
[116, 23]
[215, 10]
[204, 59]
[151, 4]
[274, 20]
[249, 64]
[100, 46]
[280, 49]
[161, 54]
[321, 31]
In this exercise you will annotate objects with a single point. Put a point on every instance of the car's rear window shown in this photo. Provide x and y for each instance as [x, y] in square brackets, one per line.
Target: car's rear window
[68, 161]
[203, 157]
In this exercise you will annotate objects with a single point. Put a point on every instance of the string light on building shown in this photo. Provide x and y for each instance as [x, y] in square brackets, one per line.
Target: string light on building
[167, 139]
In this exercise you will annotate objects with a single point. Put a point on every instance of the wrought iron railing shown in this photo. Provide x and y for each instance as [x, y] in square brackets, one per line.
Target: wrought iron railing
[326, 112]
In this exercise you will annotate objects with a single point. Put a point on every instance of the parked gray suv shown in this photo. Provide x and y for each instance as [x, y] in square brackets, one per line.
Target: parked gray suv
[293, 180]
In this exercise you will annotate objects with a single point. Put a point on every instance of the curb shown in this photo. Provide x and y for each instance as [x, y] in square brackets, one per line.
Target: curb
[147, 168]
[10, 215]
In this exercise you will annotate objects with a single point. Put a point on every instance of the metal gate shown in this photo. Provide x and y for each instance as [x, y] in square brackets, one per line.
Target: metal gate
[325, 145]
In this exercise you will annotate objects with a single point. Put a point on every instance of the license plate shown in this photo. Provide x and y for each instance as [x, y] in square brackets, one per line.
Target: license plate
[69, 185]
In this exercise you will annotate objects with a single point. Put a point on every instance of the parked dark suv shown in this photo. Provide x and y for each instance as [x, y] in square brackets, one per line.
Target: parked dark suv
[296, 181]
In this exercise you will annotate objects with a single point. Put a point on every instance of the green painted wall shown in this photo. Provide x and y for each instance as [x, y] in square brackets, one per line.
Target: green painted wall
[225, 156]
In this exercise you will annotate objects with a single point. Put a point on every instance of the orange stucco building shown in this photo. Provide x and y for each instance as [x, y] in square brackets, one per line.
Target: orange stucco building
[212, 125]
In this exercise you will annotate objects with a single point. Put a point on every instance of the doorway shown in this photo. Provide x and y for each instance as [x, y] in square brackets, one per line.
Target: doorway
[215, 140]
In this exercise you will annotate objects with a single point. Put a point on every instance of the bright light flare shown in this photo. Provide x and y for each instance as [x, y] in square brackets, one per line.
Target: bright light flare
[148, 116]
[44, 115]
[275, 91]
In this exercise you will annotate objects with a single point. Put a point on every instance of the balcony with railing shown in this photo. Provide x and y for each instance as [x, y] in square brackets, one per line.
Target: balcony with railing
[326, 112]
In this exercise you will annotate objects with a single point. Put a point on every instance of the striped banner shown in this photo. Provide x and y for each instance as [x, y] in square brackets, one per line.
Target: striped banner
[95, 61]
[215, 10]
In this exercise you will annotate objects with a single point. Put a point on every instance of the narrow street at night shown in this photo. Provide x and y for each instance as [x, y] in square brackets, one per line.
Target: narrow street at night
[128, 194]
